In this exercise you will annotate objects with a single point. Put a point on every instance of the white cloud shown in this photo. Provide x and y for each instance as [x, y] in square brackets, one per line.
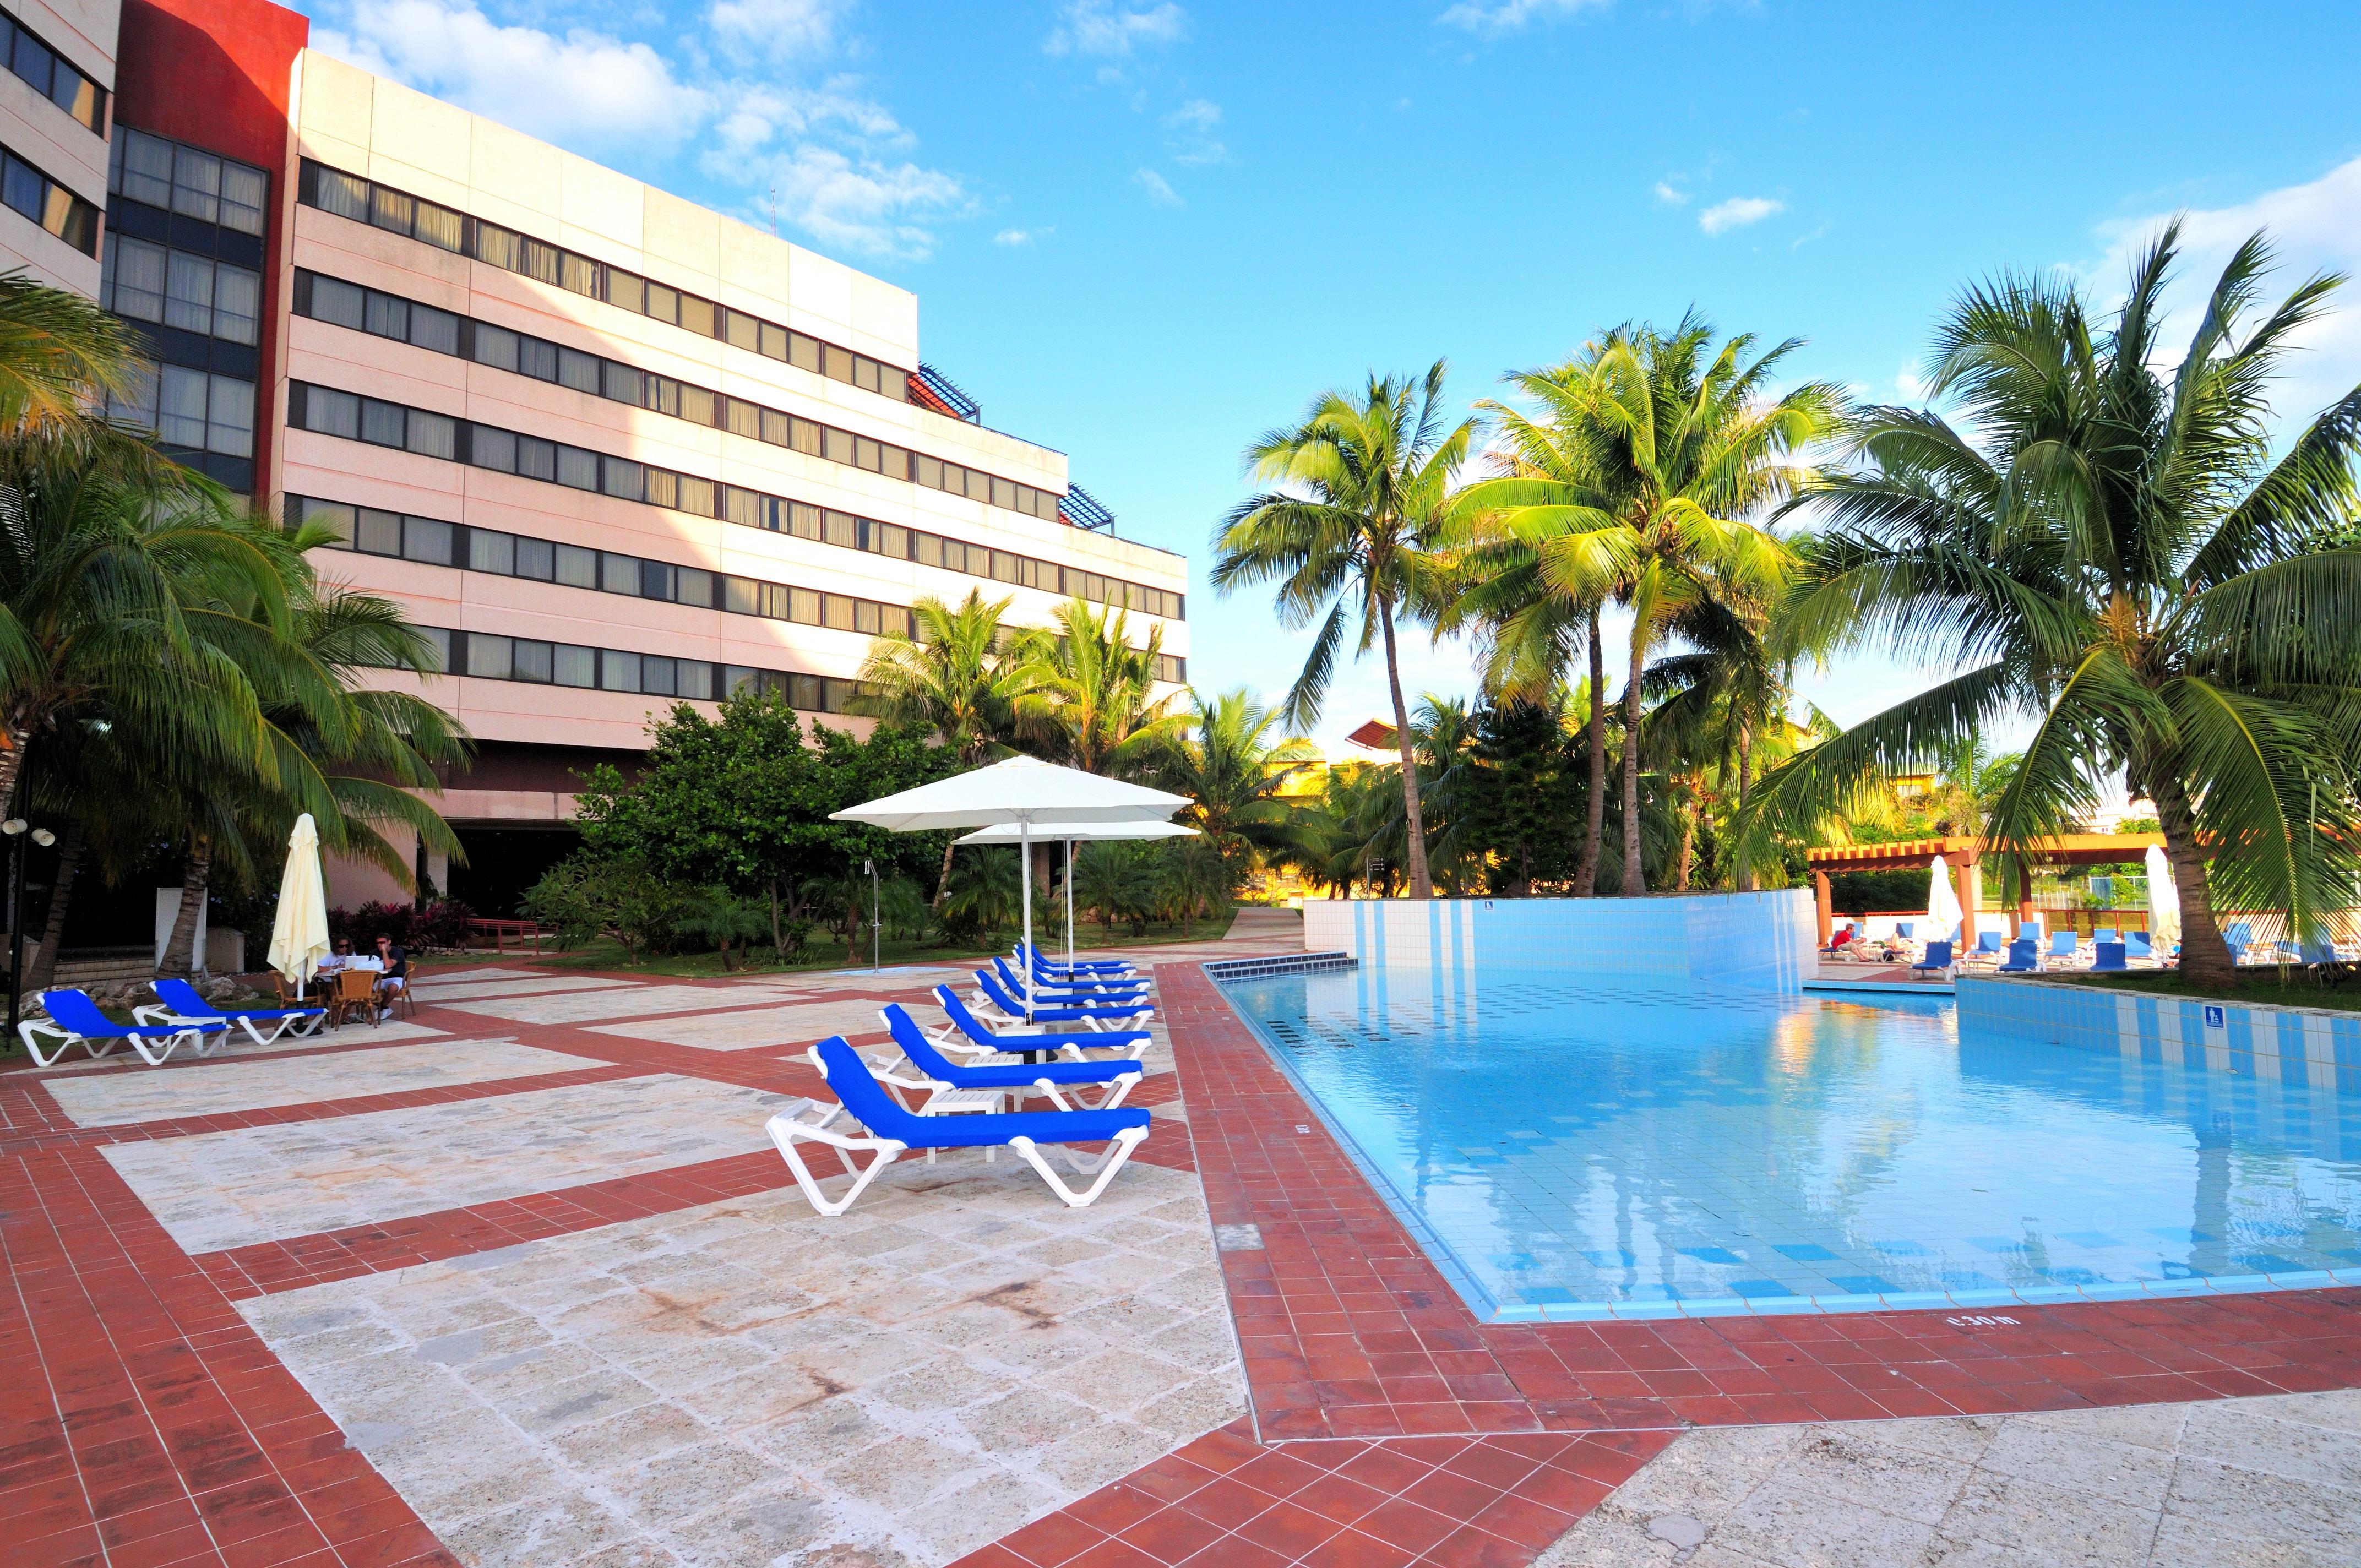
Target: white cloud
[1102, 30]
[1509, 16]
[1159, 190]
[1192, 124]
[2312, 227]
[784, 27]
[1022, 237]
[1670, 195]
[584, 89]
[1909, 386]
[859, 203]
[1737, 213]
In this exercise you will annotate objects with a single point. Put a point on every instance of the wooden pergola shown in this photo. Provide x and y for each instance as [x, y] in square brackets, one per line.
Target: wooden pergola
[1962, 854]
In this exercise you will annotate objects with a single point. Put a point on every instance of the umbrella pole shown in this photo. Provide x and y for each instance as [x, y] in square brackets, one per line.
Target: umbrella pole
[1069, 907]
[1024, 882]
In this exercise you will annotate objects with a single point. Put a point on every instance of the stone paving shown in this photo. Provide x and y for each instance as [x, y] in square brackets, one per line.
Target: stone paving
[522, 1282]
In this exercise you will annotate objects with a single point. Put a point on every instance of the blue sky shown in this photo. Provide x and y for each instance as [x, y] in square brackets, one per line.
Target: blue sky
[1143, 232]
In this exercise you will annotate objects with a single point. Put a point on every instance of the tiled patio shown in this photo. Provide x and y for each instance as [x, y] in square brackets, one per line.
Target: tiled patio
[521, 1281]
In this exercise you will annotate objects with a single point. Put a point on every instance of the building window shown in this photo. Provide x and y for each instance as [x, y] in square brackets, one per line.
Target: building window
[189, 181]
[52, 75]
[132, 279]
[37, 197]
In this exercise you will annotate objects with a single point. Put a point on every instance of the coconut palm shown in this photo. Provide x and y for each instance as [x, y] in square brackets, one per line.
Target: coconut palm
[1087, 696]
[1364, 485]
[1637, 471]
[56, 349]
[2110, 548]
[957, 677]
[1232, 769]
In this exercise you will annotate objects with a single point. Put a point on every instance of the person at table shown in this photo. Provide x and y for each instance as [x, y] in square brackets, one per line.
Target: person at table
[342, 958]
[395, 962]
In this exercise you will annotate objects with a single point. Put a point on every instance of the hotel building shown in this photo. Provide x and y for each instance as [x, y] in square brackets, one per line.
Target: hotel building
[613, 449]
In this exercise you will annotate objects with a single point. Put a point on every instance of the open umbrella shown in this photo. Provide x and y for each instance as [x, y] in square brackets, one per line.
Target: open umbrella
[2163, 904]
[1071, 832]
[1020, 791]
[299, 935]
[1943, 900]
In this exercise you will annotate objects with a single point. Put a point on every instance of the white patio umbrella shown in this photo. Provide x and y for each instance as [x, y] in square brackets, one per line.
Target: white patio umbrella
[299, 935]
[1942, 899]
[2163, 903]
[1073, 832]
[1020, 791]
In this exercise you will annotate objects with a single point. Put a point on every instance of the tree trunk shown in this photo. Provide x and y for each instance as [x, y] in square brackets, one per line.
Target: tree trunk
[943, 883]
[1594, 828]
[2205, 955]
[1744, 876]
[53, 928]
[180, 949]
[1421, 886]
[778, 936]
[1635, 881]
[12, 760]
[1684, 856]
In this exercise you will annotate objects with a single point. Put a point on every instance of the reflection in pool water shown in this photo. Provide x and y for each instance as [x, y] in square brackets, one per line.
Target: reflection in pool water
[1574, 1151]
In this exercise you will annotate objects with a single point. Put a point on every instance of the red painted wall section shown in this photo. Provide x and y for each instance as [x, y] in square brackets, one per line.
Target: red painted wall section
[216, 74]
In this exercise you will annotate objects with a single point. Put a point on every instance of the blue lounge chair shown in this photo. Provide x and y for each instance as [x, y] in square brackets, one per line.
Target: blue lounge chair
[977, 1040]
[1014, 1080]
[1092, 983]
[2029, 930]
[2136, 946]
[1987, 949]
[2024, 958]
[181, 1004]
[2318, 953]
[2106, 956]
[1049, 967]
[1905, 929]
[74, 1020]
[892, 1131]
[993, 995]
[2105, 934]
[1938, 959]
[2063, 945]
[1065, 996]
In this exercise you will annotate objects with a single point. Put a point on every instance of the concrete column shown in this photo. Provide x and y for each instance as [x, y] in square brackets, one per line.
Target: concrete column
[1820, 905]
[1970, 882]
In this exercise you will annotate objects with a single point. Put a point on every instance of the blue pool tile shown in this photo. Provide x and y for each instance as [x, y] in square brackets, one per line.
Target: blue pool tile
[1996, 1244]
[2268, 1262]
[1709, 1254]
[1760, 1288]
[1899, 1249]
[2089, 1238]
[1957, 1279]
[1616, 1258]
[2071, 1276]
[1804, 1252]
[1863, 1283]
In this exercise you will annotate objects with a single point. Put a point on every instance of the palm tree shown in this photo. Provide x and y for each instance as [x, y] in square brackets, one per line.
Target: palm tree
[1233, 771]
[1364, 487]
[2111, 549]
[1089, 697]
[956, 677]
[56, 350]
[1637, 470]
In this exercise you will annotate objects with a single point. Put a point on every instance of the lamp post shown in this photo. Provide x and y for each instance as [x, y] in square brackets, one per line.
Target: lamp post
[15, 828]
[869, 869]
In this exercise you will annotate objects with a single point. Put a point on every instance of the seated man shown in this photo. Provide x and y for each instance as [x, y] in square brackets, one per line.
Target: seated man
[341, 957]
[396, 965]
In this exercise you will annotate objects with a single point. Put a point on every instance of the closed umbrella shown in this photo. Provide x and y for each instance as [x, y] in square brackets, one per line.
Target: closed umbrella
[1019, 792]
[2163, 903]
[1943, 900]
[1071, 832]
[299, 935]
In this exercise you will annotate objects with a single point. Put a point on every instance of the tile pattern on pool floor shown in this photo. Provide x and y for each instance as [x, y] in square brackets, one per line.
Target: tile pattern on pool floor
[1572, 1153]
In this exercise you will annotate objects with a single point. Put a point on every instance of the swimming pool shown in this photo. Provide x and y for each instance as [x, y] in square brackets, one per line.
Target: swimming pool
[1568, 1150]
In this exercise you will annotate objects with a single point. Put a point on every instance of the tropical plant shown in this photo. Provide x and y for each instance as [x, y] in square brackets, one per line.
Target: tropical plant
[57, 350]
[1362, 488]
[1089, 697]
[1194, 879]
[724, 918]
[986, 895]
[1117, 880]
[588, 895]
[2110, 547]
[1637, 472]
[1233, 771]
[958, 675]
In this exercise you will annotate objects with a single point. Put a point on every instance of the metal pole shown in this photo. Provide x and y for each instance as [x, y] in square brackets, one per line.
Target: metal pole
[876, 961]
[15, 928]
[1069, 909]
[1024, 882]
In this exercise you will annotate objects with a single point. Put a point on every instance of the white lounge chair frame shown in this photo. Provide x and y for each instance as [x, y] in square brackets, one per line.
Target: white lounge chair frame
[191, 1036]
[157, 1014]
[788, 1130]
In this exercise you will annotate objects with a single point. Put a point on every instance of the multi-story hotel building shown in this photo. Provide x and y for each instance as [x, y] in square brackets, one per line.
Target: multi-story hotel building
[614, 449]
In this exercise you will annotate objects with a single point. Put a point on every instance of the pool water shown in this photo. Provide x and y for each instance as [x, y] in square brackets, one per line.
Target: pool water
[1571, 1152]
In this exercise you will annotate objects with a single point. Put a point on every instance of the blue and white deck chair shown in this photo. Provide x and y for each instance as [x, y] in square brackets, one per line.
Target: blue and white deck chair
[181, 1004]
[1017, 1079]
[1906, 928]
[2105, 934]
[74, 1020]
[1938, 959]
[889, 1132]
[2029, 930]
[974, 1039]
[2063, 945]
[1049, 967]
[2136, 946]
[1084, 991]
[1988, 945]
[2107, 957]
[2024, 958]
[992, 994]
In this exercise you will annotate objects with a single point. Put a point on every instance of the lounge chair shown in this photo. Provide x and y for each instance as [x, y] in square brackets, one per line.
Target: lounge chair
[74, 1020]
[990, 993]
[181, 1004]
[2064, 945]
[892, 1131]
[2136, 946]
[976, 1040]
[2108, 957]
[2106, 934]
[1989, 948]
[2029, 930]
[1086, 992]
[1016, 1079]
[1113, 968]
[1938, 959]
[2024, 958]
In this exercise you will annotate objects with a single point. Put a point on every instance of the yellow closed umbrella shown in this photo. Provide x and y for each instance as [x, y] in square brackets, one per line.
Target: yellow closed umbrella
[299, 936]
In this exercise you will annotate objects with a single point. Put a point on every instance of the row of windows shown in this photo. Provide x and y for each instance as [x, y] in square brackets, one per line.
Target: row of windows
[354, 418]
[488, 656]
[52, 75]
[439, 544]
[147, 281]
[367, 202]
[326, 299]
[191, 410]
[188, 180]
[41, 199]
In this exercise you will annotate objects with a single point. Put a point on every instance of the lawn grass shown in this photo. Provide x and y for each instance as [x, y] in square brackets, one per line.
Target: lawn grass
[824, 953]
[2262, 987]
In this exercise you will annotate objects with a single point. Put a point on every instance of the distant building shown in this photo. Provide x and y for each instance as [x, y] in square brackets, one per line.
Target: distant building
[614, 449]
